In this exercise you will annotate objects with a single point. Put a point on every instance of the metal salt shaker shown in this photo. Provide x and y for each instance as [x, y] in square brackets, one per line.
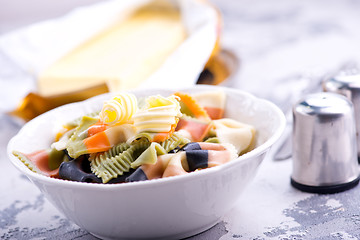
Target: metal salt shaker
[324, 144]
[349, 86]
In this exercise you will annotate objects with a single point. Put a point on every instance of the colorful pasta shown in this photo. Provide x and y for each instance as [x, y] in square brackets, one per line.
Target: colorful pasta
[74, 146]
[176, 140]
[109, 165]
[134, 139]
[74, 123]
[28, 162]
[149, 156]
[238, 134]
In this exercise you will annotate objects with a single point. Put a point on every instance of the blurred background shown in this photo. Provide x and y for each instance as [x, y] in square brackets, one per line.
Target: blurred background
[16, 14]
[276, 42]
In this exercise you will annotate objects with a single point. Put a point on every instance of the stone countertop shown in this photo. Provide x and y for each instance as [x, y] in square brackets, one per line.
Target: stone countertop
[282, 47]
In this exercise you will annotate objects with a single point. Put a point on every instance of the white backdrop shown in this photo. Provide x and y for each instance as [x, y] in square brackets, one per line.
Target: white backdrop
[18, 13]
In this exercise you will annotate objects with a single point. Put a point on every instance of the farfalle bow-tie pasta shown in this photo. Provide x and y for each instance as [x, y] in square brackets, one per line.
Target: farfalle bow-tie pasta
[134, 139]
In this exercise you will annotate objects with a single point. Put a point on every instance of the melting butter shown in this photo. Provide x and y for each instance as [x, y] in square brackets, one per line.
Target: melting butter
[158, 115]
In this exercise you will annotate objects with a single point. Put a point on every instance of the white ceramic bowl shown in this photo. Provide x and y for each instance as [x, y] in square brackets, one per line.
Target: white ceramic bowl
[168, 208]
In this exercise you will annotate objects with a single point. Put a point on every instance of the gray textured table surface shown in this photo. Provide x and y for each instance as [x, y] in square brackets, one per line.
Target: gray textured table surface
[281, 46]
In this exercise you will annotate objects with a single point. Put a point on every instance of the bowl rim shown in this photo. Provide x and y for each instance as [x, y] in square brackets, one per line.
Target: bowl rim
[153, 182]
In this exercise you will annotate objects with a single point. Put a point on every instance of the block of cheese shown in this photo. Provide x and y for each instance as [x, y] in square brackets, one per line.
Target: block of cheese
[122, 56]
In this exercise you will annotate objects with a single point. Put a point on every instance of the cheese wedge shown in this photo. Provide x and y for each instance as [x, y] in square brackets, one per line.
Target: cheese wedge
[122, 57]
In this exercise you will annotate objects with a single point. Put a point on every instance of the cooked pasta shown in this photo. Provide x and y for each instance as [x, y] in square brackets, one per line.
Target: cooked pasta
[149, 156]
[74, 146]
[74, 123]
[213, 140]
[134, 139]
[28, 163]
[176, 140]
[115, 162]
[238, 134]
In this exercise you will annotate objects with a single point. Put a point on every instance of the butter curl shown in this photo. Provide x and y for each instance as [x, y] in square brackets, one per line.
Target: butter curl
[119, 109]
